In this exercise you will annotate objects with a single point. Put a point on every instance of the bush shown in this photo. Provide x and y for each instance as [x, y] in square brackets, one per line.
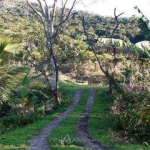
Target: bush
[12, 122]
[5, 109]
[133, 118]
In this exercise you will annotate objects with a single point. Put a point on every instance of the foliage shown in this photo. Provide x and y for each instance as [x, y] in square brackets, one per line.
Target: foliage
[144, 30]
[68, 141]
[21, 100]
[130, 81]
[101, 125]
[16, 24]
[133, 116]
[127, 70]
[11, 139]
[15, 121]
[5, 77]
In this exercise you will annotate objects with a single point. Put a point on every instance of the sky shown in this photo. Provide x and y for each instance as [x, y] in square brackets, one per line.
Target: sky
[106, 7]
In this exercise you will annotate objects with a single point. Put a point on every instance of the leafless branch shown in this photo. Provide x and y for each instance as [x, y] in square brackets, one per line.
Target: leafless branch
[41, 7]
[32, 61]
[114, 30]
[62, 10]
[39, 14]
[116, 21]
[64, 4]
[47, 13]
[83, 4]
[89, 4]
[54, 10]
[45, 3]
[30, 5]
[92, 46]
[36, 66]
[66, 17]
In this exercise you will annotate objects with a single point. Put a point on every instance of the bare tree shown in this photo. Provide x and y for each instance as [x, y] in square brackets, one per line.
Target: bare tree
[51, 27]
[116, 22]
[114, 48]
[93, 47]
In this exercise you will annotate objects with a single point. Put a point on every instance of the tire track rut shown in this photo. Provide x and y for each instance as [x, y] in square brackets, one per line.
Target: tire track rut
[83, 128]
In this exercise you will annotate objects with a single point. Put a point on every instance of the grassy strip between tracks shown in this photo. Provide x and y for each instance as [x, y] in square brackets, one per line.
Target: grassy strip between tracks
[64, 136]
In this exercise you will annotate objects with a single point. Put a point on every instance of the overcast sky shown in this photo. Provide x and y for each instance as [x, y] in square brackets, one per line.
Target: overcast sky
[106, 7]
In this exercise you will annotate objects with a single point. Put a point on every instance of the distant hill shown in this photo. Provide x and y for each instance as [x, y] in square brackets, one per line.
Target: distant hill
[10, 3]
[15, 7]
[101, 26]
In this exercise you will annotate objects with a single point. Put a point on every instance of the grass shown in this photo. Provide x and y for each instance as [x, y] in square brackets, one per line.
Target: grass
[64, 137]
[101, 125]
[19, 138]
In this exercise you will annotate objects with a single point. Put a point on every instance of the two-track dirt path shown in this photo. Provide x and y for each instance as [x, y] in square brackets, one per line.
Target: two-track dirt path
[40, 142]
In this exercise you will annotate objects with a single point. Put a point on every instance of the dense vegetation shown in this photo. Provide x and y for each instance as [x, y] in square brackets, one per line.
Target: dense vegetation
[129, 29]
[25, 94]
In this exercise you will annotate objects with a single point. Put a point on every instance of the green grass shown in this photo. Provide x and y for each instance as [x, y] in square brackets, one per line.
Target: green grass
[64, 136]
[19, 138]
[101, 124]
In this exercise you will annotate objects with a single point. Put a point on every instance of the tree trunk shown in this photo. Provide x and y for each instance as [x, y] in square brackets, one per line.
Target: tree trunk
[54, 79]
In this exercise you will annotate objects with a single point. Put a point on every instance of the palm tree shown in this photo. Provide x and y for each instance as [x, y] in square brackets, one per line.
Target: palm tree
[4, 76]
[9, 75]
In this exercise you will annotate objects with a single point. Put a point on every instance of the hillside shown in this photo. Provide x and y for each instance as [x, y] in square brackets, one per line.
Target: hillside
[101, 26]
[16, 8]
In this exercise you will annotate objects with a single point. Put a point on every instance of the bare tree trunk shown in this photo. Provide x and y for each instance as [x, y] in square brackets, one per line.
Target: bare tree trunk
[114, 49]
[54, 76]
[48, 18]
[92, 47]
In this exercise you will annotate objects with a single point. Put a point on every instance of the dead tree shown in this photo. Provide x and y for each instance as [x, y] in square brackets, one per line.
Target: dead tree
[114, 48]
[94, 49]
[47, 16]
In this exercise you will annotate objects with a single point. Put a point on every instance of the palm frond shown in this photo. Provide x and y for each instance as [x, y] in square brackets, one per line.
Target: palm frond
[3, 44]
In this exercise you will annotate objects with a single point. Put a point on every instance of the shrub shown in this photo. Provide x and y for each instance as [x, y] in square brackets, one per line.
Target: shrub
[12, 122]
[133, 117]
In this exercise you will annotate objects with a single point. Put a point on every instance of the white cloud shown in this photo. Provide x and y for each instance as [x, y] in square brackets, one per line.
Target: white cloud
[106, 7]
